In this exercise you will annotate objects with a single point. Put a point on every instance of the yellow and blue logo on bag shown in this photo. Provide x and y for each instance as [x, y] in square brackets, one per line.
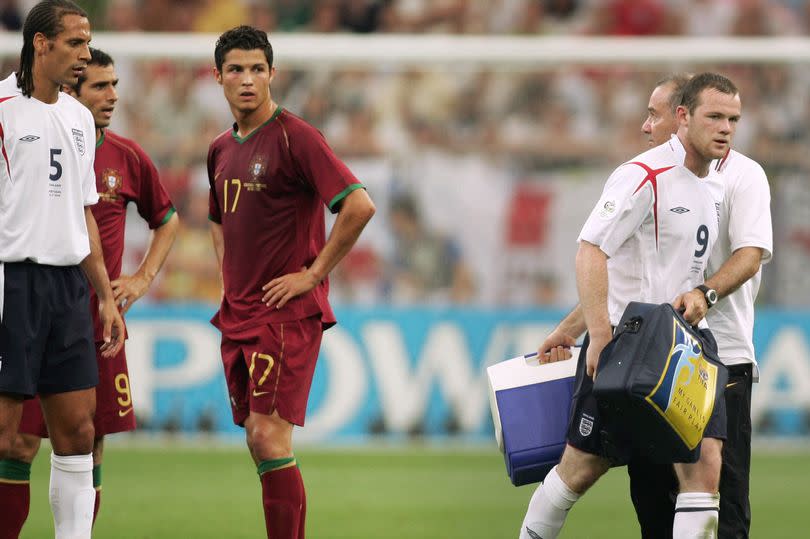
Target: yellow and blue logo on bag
[685, 393]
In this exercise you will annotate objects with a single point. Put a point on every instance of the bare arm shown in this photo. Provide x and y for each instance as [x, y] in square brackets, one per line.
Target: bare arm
[556, 346]
[355, 211]
[743, 264]
[592, 283]
[93, 267]
[219, 248]
[573, 325]
[127, 289]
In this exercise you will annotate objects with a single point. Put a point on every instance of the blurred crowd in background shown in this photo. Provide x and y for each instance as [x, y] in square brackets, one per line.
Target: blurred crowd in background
[482, 178]
[595, 17]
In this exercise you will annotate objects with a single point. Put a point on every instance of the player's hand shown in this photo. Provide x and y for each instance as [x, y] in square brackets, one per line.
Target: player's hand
[113, 328]
[128, 289]
[692, 305]
[556, 347]
[282, 289]
[595, 348]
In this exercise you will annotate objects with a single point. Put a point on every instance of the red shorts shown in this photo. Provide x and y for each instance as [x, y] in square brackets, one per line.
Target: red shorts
[114, 412]
[270, 368]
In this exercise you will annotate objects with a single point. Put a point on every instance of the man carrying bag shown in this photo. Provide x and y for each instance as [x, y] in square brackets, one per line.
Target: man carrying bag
[658, 383]
[647, 239]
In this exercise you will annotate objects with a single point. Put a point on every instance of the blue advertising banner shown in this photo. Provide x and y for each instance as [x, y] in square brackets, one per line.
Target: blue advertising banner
[408, 371]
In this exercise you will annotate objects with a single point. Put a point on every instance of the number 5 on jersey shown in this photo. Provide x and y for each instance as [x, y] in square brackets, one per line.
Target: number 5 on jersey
[55, 165]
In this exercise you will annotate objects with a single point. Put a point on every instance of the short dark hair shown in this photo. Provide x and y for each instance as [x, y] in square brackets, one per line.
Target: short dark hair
[703, 81]
[678, 82]
[97, 58]
[245, 38]
[44, 18]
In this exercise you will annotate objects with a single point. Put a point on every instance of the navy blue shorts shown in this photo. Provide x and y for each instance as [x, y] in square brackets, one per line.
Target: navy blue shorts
[46, 331]
[588, 432]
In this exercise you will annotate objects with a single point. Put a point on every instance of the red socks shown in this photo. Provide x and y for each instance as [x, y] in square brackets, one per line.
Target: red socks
[283, 498]
[15, 497]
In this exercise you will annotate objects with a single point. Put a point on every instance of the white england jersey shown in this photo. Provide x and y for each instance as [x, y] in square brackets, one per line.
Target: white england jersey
[46, 177]
[657, 223]
[745, 221]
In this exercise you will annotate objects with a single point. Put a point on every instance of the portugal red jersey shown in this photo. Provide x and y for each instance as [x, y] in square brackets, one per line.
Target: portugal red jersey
[268, 190]
[124, 174]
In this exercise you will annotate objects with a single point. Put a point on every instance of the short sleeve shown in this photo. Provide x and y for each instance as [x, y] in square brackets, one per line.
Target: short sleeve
[152, 199]
[749, 210]
[214, 213]
[89, 189]
[321, 168]
[626, 201]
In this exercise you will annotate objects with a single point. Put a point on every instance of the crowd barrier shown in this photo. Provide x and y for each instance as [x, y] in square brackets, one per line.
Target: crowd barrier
[403, 372]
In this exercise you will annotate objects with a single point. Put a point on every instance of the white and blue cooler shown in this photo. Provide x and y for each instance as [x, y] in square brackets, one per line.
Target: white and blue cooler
[530, 405]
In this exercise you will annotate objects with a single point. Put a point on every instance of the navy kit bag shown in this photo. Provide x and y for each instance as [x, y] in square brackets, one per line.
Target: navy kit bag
[658, 382]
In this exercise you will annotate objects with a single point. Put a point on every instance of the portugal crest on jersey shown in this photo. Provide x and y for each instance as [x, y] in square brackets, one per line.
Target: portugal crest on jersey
[257, 166]
[256, 170]
[112, 180]
[78, 138]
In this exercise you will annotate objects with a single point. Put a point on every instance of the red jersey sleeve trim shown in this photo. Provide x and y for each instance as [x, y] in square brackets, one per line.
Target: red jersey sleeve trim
[166, 217]
[343, 194]
[5, 155]
[3, 141]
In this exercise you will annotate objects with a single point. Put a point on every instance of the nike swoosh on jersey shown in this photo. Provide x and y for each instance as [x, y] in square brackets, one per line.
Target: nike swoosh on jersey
[259, 393]
[122, 413]
[731, 384]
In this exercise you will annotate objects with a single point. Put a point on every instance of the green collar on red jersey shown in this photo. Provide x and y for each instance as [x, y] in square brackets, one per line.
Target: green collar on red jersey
[240, 140]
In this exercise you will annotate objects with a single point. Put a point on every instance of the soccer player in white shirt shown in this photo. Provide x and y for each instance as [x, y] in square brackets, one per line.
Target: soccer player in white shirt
[745, 242]
[49, 248]
[633, 248]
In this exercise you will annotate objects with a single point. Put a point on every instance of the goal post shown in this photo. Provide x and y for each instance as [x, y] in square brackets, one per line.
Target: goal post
[510, 53]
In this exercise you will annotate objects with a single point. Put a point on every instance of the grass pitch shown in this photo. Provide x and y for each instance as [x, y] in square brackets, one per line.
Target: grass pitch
[183, 490]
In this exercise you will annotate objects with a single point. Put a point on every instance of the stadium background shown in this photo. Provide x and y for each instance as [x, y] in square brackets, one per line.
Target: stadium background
[483, 131]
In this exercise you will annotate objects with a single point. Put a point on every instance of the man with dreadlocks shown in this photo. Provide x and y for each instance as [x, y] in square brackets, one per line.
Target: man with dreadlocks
[49, 240]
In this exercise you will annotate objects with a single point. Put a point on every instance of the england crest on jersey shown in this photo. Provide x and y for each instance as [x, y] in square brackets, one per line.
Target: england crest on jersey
[78, 138]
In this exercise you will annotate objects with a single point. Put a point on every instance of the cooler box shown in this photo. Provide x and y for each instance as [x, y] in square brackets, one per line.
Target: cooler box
[530, 405]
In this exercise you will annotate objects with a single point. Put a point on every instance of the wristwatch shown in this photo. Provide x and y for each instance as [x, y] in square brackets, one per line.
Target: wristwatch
[709, 293]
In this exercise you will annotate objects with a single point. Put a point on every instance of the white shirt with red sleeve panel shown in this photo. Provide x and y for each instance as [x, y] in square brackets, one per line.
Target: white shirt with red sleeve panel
[745, 221]
[46, 177]
[656, 221]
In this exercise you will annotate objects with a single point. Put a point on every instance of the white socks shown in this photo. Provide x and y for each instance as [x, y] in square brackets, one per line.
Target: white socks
[72, 495]
[696, 515]
[548, 508]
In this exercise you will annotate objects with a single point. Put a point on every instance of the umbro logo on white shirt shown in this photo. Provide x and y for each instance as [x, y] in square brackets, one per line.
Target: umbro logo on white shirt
[29, 138]
[679, 210]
